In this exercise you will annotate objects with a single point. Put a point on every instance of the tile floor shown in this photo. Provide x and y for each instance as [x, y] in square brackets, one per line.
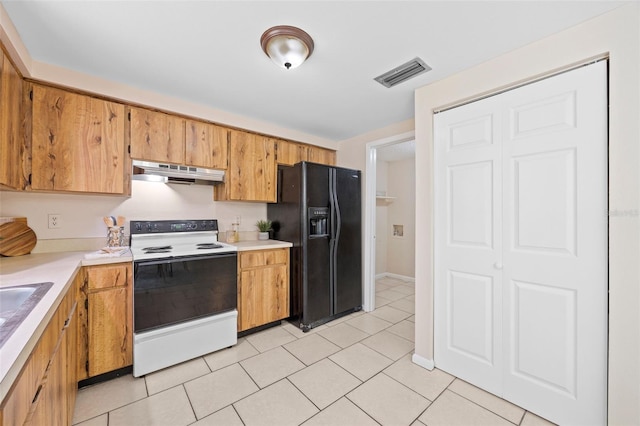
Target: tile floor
[356, 370]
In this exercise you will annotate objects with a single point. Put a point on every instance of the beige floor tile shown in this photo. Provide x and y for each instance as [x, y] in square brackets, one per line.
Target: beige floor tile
[341, 413]
[168, 408]
[389, 280]
[104, 397]
[531, 419]
[297, 332]
[176, 375]
[226, 357]
[503, 408]
[369, 324]
[380, 286]
[312, 348]
[280, 404]
[270, 338]
[406, 289]
[389, 344]
[390, 314]
[381, 301]
[405, 304]
[411, 298]
[361, 361]
[412, 318]
[418, 423]
[324, 382]
[225, 417]
[343, 335]
[388, 402]
[428, 383]
[406, 329]
[451, 409]
[102, 420]
[216, 390]
[344, 318]
[391, 294]
[271, 366]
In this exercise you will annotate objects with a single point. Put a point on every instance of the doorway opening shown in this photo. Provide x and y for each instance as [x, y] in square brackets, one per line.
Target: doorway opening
[377, 196]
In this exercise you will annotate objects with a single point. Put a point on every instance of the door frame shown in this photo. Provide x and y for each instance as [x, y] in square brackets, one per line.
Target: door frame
[369, 297]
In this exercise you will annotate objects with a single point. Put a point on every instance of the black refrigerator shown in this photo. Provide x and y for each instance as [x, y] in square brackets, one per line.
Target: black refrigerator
[318, 209]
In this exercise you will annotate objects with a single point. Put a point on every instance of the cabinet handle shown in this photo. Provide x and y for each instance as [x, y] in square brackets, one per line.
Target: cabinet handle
[498, 265]
[35, 398]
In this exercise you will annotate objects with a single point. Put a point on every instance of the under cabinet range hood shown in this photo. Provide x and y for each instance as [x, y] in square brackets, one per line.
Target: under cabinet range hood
[173, 173]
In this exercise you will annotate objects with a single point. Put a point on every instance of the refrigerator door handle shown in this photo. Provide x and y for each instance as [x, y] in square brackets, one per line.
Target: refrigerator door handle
[336, 237]
[332, 240]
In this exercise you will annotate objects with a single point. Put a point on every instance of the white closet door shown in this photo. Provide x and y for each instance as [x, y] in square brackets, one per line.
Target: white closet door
[550, 268]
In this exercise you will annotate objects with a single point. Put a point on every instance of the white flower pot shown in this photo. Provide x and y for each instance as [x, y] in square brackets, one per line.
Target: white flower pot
[263, 235]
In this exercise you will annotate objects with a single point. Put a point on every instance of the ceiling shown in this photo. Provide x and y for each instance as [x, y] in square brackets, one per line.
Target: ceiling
[397, 152]
[208, 52]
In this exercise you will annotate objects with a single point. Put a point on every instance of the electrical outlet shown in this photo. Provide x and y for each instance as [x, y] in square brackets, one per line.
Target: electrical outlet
[55, 221]
[238, 220]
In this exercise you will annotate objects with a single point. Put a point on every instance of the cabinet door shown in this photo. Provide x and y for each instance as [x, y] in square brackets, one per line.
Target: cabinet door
[10, 121]
[290, 153]
[252, 168]
[109, 318]
[77, 143]
[322, 156]
[156, 136]
[206, 145]
[264, 295]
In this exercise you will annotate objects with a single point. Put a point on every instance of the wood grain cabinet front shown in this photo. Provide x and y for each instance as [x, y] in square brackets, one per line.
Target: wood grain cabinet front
[156, 136]
[11, 137]
[263, 287]
[77, 143]
[105, 339]
[45, 391]
[251, 175]
[206, 145]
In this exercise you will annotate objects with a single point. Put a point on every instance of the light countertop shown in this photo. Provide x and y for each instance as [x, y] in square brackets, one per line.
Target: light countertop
[261, 245]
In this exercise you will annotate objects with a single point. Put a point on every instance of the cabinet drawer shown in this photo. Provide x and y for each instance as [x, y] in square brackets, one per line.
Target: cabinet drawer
[107, 276]
[252, 259]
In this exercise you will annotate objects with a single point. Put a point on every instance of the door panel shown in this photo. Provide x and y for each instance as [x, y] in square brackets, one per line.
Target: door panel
[470, 301]
[549, 180]
[546, 168]
[471, 204]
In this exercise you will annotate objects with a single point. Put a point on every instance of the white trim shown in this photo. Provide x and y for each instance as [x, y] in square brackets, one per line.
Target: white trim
[396, 276]
[423, 362]
[369, 299]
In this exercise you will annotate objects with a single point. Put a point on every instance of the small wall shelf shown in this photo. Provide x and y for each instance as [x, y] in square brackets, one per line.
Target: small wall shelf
[385, 199]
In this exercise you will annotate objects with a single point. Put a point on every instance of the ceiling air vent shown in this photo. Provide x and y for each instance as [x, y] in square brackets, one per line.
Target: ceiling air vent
[403, 73]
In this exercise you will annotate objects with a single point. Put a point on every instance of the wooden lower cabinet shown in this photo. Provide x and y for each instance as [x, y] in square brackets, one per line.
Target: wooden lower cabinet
[105, 339]
[263, 287]
[45, 391]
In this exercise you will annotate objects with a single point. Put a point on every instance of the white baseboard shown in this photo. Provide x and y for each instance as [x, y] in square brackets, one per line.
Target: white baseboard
[396, 276]
[423, 362]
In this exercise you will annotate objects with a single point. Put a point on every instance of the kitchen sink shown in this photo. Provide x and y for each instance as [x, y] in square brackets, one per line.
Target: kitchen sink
[15, 304]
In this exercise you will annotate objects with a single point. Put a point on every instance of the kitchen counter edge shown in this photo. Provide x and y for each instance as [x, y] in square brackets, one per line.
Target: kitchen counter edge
[261, 245]
[59, 268]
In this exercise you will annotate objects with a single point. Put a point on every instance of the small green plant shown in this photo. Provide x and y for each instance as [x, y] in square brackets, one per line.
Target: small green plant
[264, 225]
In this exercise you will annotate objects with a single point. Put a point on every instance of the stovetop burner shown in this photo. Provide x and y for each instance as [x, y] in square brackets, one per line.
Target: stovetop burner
[158, 249]
[206, 246]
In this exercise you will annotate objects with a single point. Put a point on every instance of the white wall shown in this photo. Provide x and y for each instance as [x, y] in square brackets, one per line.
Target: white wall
[401, 184]
[616, 34]
[82, 214]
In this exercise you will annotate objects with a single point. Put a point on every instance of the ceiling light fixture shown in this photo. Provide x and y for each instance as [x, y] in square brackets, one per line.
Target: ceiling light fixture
[287, 46]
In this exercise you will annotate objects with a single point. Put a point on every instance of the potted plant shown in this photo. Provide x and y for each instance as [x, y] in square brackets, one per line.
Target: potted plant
[264, 226]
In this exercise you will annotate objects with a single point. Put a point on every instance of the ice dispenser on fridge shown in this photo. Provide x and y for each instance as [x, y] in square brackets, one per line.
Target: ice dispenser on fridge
[318, 222]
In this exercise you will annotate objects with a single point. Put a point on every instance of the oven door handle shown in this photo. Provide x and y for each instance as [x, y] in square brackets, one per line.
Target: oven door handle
[177, 259]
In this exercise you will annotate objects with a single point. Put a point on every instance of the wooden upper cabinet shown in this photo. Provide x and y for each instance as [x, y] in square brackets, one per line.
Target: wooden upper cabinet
[77, 143]
[10, 125]
[290, 153]
[206, 145]
[322, 156]
[251, 175]
[156, 136]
